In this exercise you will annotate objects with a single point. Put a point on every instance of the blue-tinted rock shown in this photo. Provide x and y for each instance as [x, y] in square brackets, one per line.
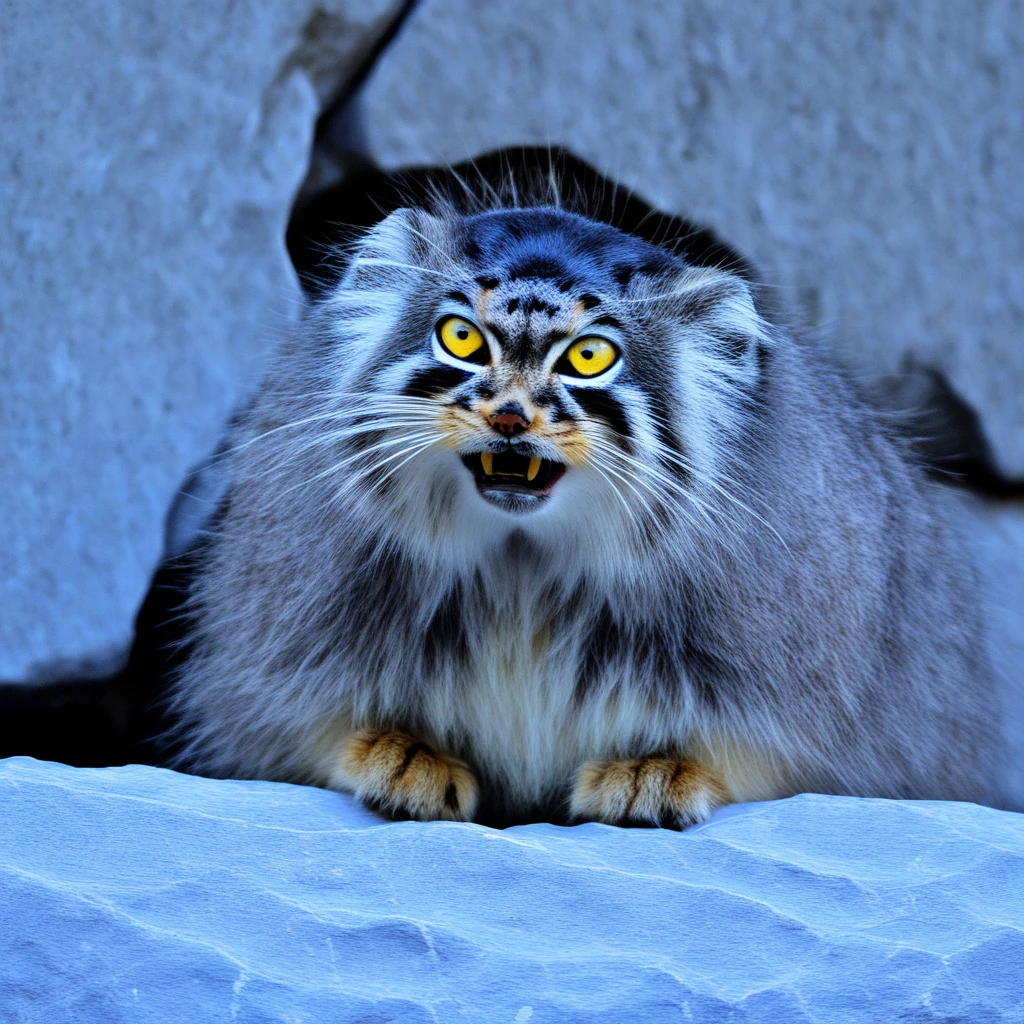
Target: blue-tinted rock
[136, 894]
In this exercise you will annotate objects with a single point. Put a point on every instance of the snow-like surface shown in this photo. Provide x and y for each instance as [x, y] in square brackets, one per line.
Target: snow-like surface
[136, 894]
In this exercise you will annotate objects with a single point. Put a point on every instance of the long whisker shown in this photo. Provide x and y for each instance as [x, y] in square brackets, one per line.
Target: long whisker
[659, 492]
[667, 453]
[377, 261]
[618, 494]
[693, 501]
[644, 468]
[666, 485]
[350, 412]
[632, 486]
[410, 453]
[436, 440]
[338, 466]
[708, 482]
[357, 430]
[338, 437]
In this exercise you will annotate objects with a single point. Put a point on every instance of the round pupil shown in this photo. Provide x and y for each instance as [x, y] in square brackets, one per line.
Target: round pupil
[462, 334]
[587, 353]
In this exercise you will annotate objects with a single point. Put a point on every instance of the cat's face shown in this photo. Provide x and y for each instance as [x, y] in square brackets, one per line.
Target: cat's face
[522, 368]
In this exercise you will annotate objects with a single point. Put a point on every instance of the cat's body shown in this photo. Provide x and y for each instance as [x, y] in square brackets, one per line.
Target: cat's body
[725, 581]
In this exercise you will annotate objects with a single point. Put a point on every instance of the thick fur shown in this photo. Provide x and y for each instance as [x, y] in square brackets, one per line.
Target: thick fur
[741, 588]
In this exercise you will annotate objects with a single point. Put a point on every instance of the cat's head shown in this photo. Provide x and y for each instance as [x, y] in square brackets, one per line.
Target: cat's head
[533, 370]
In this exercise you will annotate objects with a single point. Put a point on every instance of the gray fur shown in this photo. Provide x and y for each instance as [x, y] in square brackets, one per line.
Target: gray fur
[781, 598]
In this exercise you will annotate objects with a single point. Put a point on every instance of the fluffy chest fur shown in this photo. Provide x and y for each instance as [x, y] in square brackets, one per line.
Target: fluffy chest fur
[523, 687]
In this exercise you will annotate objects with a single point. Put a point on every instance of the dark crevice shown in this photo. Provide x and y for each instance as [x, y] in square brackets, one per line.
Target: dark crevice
[114, 721]
[946, 432]
[338, 137]
[325, 221]
[358, 76]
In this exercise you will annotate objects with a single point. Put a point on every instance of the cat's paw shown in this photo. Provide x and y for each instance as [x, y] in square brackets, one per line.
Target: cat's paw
[667, 791]
[402, 775]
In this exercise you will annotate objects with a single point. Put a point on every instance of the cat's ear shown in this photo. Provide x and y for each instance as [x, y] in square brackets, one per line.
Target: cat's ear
[411, 233]
[720, 307]
[397, 251]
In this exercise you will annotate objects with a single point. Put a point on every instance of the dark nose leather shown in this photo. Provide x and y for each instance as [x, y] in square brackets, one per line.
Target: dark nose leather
[509, 420]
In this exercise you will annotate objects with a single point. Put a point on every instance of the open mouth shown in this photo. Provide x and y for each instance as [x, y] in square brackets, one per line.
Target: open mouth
[507, 473]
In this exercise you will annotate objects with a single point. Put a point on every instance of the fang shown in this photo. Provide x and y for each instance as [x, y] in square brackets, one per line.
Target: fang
[487, 461]
[531, 473]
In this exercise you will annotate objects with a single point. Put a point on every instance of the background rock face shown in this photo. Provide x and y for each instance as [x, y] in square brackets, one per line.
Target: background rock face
[151, 152]
[867, 156]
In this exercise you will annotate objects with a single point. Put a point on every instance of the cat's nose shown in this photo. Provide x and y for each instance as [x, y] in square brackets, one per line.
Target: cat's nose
[509, 420]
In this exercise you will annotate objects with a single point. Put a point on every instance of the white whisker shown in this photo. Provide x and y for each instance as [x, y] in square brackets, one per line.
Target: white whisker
[378, 262]
[338, 466]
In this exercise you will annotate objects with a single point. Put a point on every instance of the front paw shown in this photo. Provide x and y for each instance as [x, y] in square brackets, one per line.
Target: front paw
[404, 776]
[666, 791]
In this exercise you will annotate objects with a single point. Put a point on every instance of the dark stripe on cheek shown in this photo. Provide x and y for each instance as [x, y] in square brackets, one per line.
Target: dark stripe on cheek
[434, 380]
[668, 439]
[601, 405]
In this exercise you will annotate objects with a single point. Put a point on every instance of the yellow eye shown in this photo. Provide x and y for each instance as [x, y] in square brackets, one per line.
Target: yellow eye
[462, 339]
[588, 357]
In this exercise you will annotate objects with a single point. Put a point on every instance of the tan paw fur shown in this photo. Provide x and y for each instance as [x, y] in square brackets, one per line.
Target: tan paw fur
[402, 775]
[667, 791]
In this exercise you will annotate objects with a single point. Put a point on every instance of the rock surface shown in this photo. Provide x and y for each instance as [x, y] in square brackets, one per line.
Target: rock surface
[997, 532]
[867, 156]
[136, 894]
[151, 154]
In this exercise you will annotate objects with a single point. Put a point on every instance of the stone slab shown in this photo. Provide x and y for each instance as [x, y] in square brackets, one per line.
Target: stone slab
[137, 894]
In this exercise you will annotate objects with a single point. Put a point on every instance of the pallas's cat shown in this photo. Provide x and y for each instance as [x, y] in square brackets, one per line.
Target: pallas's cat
[534, 517]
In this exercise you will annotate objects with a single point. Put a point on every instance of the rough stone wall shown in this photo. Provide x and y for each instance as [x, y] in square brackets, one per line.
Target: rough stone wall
[151, 153]
[866, 155]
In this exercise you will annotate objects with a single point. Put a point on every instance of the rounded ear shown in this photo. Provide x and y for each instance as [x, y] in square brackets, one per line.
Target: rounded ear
[721, 306]
[412, 231]
[398, 250]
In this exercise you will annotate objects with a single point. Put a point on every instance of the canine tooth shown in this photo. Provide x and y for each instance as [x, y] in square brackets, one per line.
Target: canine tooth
[531, 473]
[487, 461]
